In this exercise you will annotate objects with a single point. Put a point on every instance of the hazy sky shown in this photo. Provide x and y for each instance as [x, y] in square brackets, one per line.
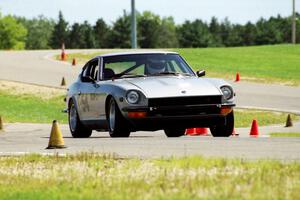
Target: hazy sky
[238, 11]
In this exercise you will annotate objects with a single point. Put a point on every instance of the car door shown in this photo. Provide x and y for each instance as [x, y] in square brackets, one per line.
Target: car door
[100, 94]
[98, 97]
[86, 93]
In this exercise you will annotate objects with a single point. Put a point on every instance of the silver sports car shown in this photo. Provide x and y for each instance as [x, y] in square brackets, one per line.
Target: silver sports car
[149, 91]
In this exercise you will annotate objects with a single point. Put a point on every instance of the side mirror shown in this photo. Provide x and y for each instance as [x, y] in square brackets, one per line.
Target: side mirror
[200, 73]
[87, 79]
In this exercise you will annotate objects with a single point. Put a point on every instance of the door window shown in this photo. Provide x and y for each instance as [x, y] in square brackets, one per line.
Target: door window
[91, 69]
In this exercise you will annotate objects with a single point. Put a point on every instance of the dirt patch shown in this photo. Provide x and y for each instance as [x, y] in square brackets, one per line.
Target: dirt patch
[16, 88]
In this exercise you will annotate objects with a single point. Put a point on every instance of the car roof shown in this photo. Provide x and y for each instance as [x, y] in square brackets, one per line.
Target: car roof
[136, 53]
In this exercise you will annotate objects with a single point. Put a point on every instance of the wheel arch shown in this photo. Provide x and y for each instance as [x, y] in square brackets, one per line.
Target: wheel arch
[108, 98]
[72, 99]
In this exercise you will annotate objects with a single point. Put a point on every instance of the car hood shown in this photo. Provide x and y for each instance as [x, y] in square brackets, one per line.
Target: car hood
[171, 86]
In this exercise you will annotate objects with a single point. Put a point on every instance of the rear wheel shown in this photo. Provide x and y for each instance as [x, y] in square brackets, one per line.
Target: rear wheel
[117, 125]
[78, 130]
[174, 132]
[224, 130]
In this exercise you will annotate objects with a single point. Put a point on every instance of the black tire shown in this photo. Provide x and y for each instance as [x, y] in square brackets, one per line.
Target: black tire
[174, 132]
[78, 130]
[224, 130]
[117, 125]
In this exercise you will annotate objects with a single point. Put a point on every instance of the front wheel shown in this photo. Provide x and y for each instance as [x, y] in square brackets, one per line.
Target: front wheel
[78, 130]
[224, 130]
[174, 132]
[117, 125]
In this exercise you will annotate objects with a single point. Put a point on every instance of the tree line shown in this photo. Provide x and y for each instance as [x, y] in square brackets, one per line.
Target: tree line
[153, 32]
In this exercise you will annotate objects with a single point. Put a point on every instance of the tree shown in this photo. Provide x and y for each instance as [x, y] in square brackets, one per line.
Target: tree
[60, 32]
[148, 25]
[88, 35]
[225, 29]
[76, 39]
[39, 32]
[101, 32]
[215, 31]
[120, 35]
[298, 29]
[12, 33]
[267, 32]
[248, 34]
[194, 34]
[166, 34]
[81, 36]
[234, 37]
[153, 32]
[284, 26]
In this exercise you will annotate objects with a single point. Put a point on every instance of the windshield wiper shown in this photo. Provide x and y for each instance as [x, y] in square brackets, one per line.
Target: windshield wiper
[170, 73]
[129, 75]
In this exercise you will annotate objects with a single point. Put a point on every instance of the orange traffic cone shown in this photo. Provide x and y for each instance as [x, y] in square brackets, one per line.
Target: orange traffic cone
[190, 131]
[63, 55]
[196, 131]
[254, 129]
[56, 140]
[237, 77]
[73, 62]
[201, 131]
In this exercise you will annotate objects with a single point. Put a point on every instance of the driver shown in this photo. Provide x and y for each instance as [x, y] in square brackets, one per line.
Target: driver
[155, 67]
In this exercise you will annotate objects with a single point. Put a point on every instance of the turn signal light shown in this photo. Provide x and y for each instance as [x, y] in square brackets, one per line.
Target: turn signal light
[137, 114]
[225, 110]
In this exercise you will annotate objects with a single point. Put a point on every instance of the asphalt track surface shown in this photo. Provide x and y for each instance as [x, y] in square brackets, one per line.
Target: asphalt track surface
[19, 139]
[38, 67]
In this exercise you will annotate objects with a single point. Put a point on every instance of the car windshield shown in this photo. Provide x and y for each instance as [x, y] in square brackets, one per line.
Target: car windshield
[145, 65]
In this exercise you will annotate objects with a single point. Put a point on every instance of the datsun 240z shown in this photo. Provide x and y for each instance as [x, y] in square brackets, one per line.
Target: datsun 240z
[147, 91]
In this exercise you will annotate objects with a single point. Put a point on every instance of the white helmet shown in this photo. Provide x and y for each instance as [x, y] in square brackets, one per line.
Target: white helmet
[156, 67]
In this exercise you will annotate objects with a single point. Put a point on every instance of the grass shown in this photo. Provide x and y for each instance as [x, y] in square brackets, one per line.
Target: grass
[285, 134]
[244, 118]
[271, 64]
[277, 63]
[33, 109]
[93, 176]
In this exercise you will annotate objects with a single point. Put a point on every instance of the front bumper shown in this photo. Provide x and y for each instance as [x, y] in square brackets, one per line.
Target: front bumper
[157, 118]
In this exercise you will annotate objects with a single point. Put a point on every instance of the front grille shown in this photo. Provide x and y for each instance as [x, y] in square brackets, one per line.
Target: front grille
[182, 101]
[185, 111]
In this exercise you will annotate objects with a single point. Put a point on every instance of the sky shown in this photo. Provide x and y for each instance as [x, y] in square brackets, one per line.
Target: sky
[237, 11]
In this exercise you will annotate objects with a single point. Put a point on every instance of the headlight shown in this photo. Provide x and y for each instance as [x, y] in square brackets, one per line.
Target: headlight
[227, 92]
[132, 97]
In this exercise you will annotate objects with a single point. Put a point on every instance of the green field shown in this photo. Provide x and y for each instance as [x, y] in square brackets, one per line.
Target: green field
[274, 63]
[285, 134]
[34, 109]
[31, 109]
[92, 176]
